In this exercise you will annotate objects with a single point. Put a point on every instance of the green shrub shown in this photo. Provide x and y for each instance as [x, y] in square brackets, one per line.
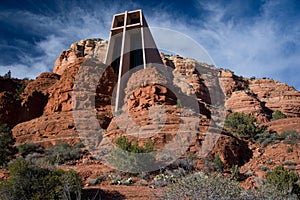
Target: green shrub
[290, 163]
[202, 186]
[148, 146]
[19, 91]
[218, 164]
[242, 125]
[271, 192]
[283, 179]
[289, 150]
[213, 186]
[277, 115]
[290, 137]
[269, 161]
[62, 152]
[266, 138]
[27, 148]
[7, 149]
[235, 172]
[132, 157]
[263, 168]
[27, 181]
[7, 75]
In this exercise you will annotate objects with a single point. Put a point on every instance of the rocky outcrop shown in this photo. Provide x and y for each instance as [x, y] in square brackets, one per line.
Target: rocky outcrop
[60, 93]
[47, 104]
[156, 103]
[246, 102]
[285, 124]
[277, 96]
[83, 48]
[231, 83]
[231, 151]
[9, 109]
[47, 130]
[265, 159]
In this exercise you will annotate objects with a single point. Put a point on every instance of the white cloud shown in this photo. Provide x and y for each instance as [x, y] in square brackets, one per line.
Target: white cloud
[263, 45]
[255, 46]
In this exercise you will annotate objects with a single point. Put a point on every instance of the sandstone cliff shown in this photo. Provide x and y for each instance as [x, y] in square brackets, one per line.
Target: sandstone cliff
[156, 102]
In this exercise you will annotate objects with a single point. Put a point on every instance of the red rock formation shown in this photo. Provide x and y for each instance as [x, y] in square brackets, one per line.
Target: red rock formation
[265, 159]
[9, 108]
[47, 130]
[246, 102]
[83, 48]
[151, 106]
[277, 96]
[284, 124]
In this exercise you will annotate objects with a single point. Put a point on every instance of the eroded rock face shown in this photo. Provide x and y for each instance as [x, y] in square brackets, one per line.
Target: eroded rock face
[9, 109]
[45, 107]
[246, 102]
[265, 159]
[47, 103]
[79, 49]
[277, 96]
[231, 83]
[231, 151]
[47, 130]
[60, 93]
[284, 124]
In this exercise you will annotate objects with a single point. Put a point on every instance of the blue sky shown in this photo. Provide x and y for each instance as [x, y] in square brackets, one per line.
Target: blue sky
[252, 38]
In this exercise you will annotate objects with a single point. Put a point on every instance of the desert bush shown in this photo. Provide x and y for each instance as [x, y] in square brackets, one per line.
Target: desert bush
[263, 168]
[62, 153]
[27, 181]
[28, 148]
[132, 157]
[289, 163]
[290, 137]
[289, 150]
[242, 125]
[214, 186]
[161, 180]
[19, 91]
[7, 149]
[202, 186]
[269, 192]
[235, 172]
[277, 114]
[266, 138]
[7, 75]
[218, 164]
[284, 180]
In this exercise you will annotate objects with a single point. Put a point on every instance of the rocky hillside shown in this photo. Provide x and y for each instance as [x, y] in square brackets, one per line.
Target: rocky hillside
[40, 110]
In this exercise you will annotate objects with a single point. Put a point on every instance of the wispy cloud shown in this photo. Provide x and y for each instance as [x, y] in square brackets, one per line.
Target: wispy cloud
[263, 45]
[262, 41]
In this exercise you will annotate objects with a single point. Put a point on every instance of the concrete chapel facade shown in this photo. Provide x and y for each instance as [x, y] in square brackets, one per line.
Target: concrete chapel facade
[130, 45]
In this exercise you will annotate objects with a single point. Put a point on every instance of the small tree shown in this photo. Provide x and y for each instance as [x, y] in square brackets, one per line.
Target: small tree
[148, 146]
[28, 181]
[28, 148]
[277, 115]
[62, 152]
[242, 125]
[7, 75]
[132, 157]
[7, 149]
[218, 164]
[284, 180]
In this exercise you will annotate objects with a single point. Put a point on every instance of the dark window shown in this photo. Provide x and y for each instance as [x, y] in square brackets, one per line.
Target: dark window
[136, 53]
[135, 20]
[120, 23]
